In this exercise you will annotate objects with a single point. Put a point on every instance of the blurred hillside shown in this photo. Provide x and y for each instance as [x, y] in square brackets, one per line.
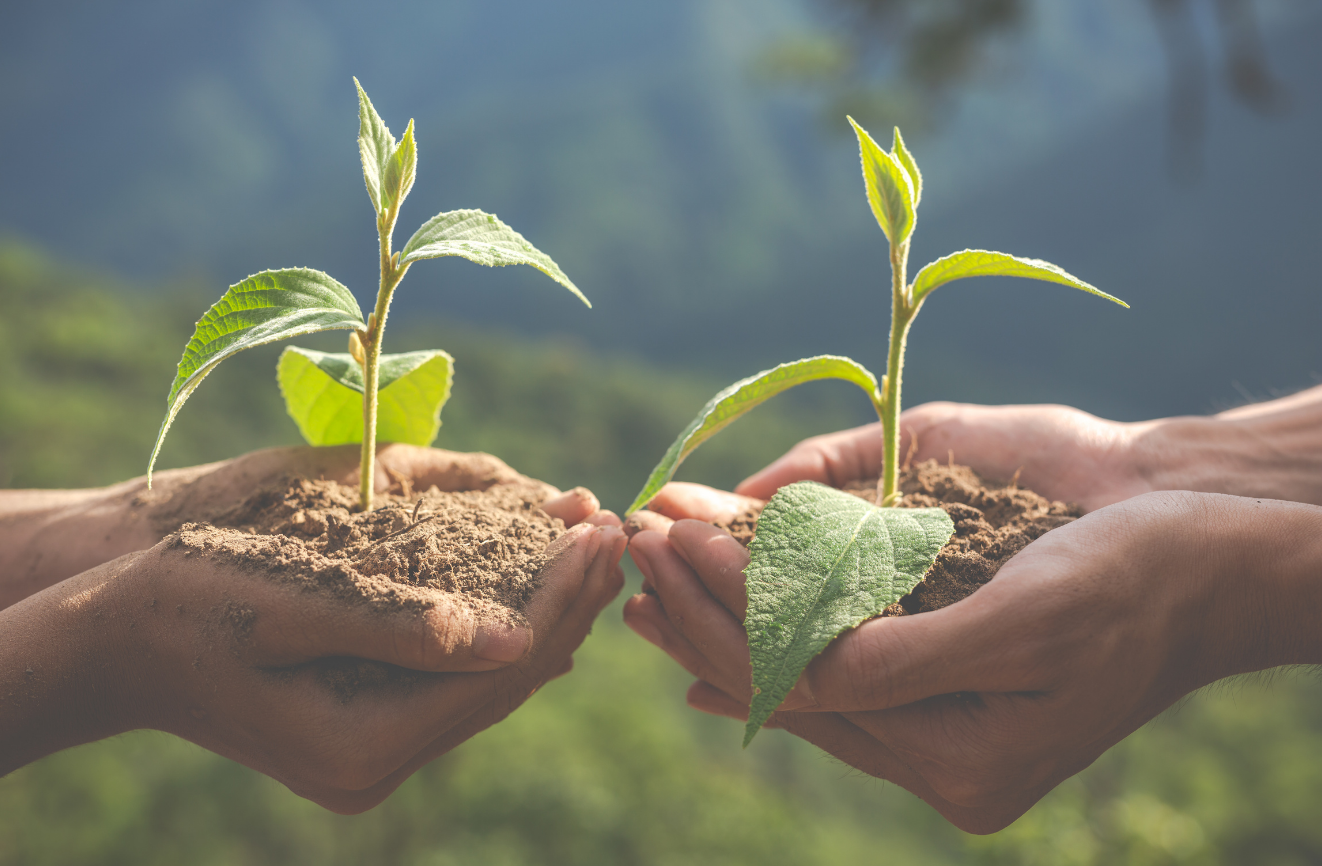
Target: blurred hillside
[712, 211]
[605, 766]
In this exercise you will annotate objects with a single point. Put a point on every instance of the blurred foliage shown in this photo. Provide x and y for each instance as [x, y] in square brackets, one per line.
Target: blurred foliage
[605, 765]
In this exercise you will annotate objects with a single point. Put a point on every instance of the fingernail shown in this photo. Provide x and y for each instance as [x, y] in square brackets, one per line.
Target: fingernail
[501, 643]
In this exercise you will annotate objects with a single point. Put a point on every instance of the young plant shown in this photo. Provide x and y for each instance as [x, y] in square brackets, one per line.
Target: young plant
[823, 561]
[362, 395]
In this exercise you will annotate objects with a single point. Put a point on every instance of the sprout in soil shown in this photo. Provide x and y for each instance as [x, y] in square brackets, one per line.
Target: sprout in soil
[361, 396]
[823, 561]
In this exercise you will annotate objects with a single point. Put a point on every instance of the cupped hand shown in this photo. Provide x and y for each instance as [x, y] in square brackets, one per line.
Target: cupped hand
[982, 707]
[338, 701]
[47, 536]
[1059, 452]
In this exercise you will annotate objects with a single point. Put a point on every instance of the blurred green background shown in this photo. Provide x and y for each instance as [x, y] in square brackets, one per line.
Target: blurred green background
[688, 166]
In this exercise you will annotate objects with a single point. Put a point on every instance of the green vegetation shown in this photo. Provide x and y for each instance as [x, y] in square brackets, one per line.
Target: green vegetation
[319, 387]
[606, 765]
[826, 554]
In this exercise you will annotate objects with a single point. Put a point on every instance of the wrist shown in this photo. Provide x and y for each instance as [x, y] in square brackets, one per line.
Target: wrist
[1272, 452]
[62, 672]
[47, 536]
[1257, 566]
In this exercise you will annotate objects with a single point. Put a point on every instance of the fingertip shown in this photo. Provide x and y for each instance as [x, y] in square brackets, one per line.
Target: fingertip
[604, 517]
[641, 521]
[572, 506]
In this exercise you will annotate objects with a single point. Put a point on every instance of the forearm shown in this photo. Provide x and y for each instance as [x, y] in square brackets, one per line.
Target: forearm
[1268, 450]
[49, 535]
[60, 683]
[1261, 570]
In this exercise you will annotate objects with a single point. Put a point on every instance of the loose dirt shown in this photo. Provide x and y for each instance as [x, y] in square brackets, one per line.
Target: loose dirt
[484, 548]
[993, 522]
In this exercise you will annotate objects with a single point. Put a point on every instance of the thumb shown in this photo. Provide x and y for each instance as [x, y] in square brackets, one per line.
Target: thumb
[443, 632]
[892, 661]
[833, 459]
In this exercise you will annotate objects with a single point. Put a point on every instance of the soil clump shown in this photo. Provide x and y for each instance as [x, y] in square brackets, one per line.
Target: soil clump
[993, 522]
[485, 548]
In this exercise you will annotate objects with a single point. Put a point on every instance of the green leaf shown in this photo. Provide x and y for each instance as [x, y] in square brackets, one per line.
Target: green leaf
[375, 145]
[399, 170]
[745, 395]
[270, 306]
[479, 237]
[822, 562]
[890, 190]
[984, 263]
[902, 155]
[324, 395]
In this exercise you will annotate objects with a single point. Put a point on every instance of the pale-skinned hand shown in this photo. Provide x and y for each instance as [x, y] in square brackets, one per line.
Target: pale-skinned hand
[1059, 452]
[982, 707]
[1269, 450]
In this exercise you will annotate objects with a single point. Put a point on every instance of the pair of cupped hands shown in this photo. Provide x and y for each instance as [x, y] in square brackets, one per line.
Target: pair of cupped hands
[979, 708]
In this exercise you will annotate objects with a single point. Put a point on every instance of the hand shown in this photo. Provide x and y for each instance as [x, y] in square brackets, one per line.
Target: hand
[49, 535]
[273, 676]
[982, 707]
[1269, 450]
[1059, 452]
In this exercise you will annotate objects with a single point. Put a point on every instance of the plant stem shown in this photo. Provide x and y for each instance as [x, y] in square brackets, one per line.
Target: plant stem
[902, 313]
[390, 277]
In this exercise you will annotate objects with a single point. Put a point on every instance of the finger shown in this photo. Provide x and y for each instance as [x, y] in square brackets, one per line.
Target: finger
[573, 506]
[718, 559]
[970, 646]
[604, 517]
[644, 614]
[680, 499]
[641, 521]
[705, 697]
[833, 459]
[699, 617]
[442, 712]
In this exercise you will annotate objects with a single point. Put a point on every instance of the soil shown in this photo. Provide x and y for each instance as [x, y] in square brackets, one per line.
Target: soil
[484, 548]
[993, 522]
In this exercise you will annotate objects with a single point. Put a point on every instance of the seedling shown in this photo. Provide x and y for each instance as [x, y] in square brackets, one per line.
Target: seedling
[362, 395]
[824, 561]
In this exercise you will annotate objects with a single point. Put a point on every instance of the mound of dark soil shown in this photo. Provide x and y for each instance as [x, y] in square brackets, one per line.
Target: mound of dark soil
[993, 522]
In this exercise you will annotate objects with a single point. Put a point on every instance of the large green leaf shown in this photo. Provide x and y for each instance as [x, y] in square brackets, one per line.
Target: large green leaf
[746, 394]
[270, 306]
[375, 145]
[822, 562]
[985, 263]
[890, 189]
[324, 395]
[480, 237]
